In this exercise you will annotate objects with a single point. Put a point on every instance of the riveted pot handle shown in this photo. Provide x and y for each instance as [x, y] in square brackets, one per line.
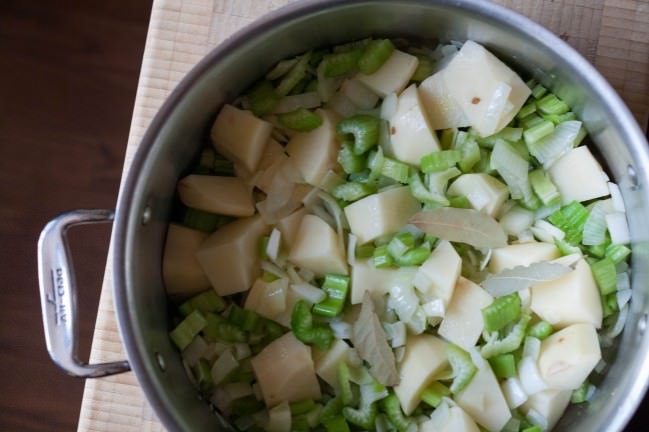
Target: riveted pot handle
[58, 295]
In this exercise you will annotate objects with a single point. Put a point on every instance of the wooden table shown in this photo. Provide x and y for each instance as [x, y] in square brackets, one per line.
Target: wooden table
[613, 35]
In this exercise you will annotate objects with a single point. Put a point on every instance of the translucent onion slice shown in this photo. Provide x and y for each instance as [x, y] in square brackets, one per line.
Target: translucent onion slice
[290, 103]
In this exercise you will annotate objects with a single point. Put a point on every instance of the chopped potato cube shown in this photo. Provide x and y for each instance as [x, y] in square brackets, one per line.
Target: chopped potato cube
[240, 136]
[411, 134]
[316, 247]
[569, 356]
[425, 357]
[314, 153]
[229, 256]
[463, 323]
[182, 274]
[578, 176]
[522, 254]
[570, 299]
[214, 194]
[381, 213]
[437, 276]
[484, 192]
[393, 75]
[285, 371]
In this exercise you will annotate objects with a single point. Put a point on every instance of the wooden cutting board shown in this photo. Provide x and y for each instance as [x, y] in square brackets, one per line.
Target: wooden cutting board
[611, 34]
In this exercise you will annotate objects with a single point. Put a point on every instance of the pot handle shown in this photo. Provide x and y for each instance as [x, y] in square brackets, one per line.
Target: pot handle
[58, 295]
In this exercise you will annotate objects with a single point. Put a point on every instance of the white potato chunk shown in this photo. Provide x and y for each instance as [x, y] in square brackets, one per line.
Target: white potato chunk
[549, 403]
[377, 281]
[453, 420]
[437, 276]
[316, 247]
[411, 134]
[289, 226]
[578, 176]
[229, 256]
[443, 112]
[270, 162]
[392, 76]
[279, 418]
[268, 299]
[215, 194]
[569, 356]
[182, 274]
[463, 323]
[314, 152]
[381, 213]
[327, 362]
[488, 91]
[522, 254]
[483, 399]
[425, 356]
[285, 371]
[240, 136]
[484, 192]
[570, 299]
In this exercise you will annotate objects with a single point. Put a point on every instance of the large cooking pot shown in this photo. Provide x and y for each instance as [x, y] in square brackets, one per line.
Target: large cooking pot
[182, 125]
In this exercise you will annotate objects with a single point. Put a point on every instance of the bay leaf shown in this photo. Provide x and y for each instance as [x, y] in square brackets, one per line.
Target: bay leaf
[370, 341]
[461, 225]
[519, 278]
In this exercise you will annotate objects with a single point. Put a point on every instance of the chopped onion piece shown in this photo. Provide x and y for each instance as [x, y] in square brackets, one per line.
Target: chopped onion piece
[618, 228]
[293, 275]
[194, 351]
[551, 229]
[594, 232]
[526, 298]
[308, 292]
[272, 268]
[606, 337]
[528, 373]
[341, 329]
[274, 241]
[403, 301]
[359, 94]
[351, 249]
[532, 348]
[537, 419]
[513, 425]
[389, 107]
[526, 236]
[513, 392]
[623, 296]
[292, 102]
[306, 274]
[601, 366]
[434, 308]
[242, 351]
[417, 323]
[486, 257]
[616, 197]
[396, 333]
[549, 148]
[343, 105]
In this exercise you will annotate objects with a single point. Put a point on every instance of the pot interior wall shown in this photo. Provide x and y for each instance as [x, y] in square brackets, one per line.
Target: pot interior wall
[183, 124]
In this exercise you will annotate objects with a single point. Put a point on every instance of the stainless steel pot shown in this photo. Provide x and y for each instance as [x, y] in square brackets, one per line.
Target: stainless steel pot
[181, 126]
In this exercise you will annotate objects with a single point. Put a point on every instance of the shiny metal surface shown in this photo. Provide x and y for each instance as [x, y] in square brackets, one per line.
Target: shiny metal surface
[59, 295]
[182, 124]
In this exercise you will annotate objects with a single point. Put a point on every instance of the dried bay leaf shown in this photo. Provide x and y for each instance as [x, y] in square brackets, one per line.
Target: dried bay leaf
[461, 225]
[522, 277]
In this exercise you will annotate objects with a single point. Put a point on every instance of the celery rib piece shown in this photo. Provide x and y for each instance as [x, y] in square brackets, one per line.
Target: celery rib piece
[463, 368]
[501, 312]
[509, 343]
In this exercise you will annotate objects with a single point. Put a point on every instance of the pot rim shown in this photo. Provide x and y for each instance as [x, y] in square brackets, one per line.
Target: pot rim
[128, 212]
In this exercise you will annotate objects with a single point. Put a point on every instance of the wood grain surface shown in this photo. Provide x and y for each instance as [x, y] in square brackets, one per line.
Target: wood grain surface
[68, 78]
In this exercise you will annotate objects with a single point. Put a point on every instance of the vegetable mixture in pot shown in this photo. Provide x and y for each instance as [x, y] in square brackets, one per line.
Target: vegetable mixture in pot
[381, 237]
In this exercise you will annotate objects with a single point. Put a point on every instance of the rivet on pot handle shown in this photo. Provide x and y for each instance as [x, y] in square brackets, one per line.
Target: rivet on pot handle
[58, 295]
